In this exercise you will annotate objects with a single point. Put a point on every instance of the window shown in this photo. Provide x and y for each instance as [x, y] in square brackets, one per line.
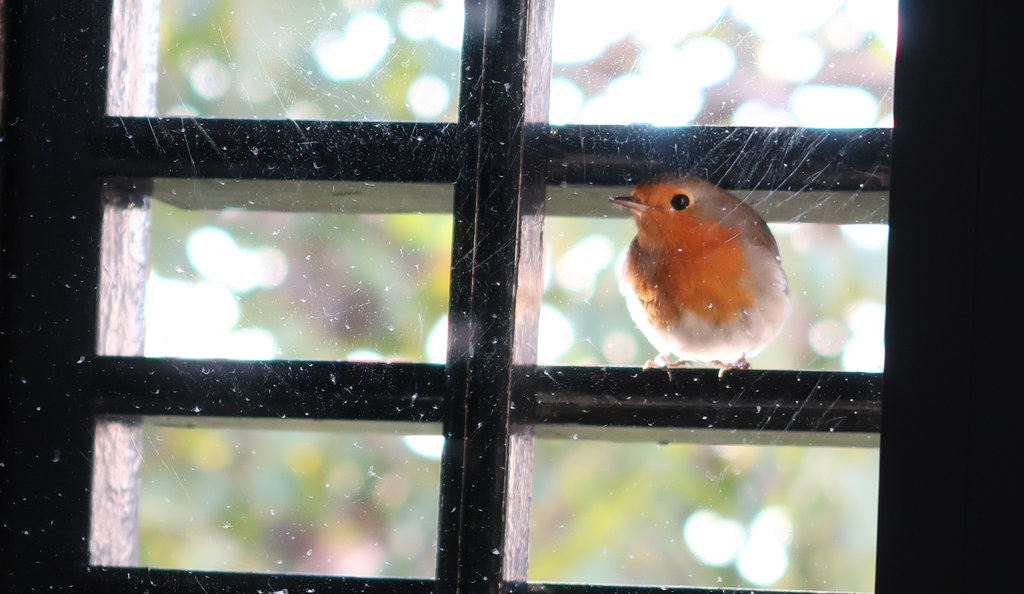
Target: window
[78, 189]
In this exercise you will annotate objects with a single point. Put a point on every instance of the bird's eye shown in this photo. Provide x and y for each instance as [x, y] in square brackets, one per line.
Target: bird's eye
[680, 201]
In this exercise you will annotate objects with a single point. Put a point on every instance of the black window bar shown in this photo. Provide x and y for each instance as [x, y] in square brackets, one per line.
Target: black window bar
[74, 203]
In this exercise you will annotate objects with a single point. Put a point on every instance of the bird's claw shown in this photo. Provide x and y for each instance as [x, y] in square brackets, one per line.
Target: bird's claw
[663, 362]
[741, 363]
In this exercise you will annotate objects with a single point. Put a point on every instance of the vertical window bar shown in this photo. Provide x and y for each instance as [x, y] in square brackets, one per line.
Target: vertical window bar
[53, 98]
[124, 268]
[917, 530]
[529, 288]
[134, 55]
[487, 468]
[117, 456]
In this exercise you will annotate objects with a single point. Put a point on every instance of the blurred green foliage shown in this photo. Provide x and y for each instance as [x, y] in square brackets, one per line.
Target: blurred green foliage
[245, 59]
[369, 283]
[287, 501]
[614, 512]
[375, 286]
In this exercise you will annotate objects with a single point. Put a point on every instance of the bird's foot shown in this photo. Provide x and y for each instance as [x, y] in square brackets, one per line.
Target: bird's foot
[662, 362]
[740, 363]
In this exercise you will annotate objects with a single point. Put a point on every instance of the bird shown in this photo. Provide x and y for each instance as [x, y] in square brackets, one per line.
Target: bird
[703, 278]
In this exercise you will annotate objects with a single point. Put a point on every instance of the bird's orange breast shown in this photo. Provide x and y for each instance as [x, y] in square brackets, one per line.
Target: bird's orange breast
[694, 267]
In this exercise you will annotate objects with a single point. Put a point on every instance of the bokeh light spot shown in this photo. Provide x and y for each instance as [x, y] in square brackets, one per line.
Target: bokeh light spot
[712, 539]
[763, 560]
[437, 341]
[364, 355]
[661, 101]
[210, 79]
[866, 348]
[354, 53]
[759, 113]
[198, 320]
[555, 334]
[428, 96]
[566, 101]
[448, 24]
[700, 63]
[794, 59]
[415, 21]
[871, 237]
[784, 18]
[877, 17]
[210, 452]
[619, 348]
[583, 31]
[215, 255]
[827, 338]
[823, 106]
[427, 446]
[304, 459]
[843, 34]
[660, 23]
[182, 110]
[304, 110]
[580, 264]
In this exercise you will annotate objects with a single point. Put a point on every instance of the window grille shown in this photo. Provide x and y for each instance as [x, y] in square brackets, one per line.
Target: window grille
[76, 189]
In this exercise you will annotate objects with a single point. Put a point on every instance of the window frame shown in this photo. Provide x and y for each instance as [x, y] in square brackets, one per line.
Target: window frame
[59, 151]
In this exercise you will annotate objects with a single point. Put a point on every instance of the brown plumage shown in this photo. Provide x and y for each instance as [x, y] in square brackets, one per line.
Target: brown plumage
[702, 278]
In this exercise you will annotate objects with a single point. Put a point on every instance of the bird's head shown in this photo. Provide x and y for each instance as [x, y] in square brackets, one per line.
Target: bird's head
[675, 206]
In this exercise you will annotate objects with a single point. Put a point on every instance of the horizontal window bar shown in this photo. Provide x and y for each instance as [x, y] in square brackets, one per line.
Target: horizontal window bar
[538, 588]
[739, 158]
[129, 579]
[276, 389]
[132, 579]
[819, 401]
[584, 200]
[278, 149]
[798, 401]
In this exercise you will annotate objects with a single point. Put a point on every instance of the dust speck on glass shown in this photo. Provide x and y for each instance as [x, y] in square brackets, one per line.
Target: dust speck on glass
[235, 272]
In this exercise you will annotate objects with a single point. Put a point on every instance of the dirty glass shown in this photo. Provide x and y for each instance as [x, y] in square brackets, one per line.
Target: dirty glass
[360, 60]
[742, 63]
[343, 278]
[814, 63]
[283, 500]
[312, 270]
[769, 516]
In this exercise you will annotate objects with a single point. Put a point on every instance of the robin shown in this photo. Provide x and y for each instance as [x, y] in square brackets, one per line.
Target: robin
[703, 279]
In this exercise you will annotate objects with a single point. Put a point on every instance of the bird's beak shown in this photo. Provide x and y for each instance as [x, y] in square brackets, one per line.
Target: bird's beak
[630, 203]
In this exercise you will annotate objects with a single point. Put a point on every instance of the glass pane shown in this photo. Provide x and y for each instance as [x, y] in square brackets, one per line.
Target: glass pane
[357, 504]
[816, 63]
[306, 59]
[836, 277]
[349, 280]
[783, 517]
